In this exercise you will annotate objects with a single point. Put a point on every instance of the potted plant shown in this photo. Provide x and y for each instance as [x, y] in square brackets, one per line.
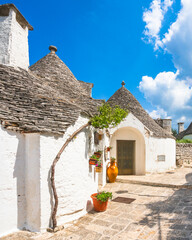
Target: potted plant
[100, 200]
[109, 148]
[98, 153]
[93, 160]
[98, 167]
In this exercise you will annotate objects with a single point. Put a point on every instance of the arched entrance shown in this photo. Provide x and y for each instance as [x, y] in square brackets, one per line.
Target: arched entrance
[128, 147]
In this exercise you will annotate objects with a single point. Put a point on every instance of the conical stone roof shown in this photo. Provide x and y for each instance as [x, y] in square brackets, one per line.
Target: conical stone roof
[47, 98]
[124, 98]
[57, 76]
[188, 131]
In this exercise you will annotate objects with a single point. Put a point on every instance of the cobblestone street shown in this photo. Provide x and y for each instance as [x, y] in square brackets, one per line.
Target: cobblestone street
[158, 213]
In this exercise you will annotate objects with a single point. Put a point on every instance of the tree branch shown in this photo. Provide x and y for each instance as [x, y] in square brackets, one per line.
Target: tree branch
[54, 212]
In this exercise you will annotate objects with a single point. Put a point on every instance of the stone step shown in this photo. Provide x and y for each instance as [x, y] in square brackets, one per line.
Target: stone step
[154, 184]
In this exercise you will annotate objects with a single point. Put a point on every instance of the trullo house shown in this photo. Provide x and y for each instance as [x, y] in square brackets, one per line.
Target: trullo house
[40, 107]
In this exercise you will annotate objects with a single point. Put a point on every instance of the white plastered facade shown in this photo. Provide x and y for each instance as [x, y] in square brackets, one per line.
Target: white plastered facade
[147, 147]
[13, 42]
[26, 159]
[25, 191]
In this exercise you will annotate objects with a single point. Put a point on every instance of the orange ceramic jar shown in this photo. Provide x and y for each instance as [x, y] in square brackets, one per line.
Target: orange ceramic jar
[112, 171]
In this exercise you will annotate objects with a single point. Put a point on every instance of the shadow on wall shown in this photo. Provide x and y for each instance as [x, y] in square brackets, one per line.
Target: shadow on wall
[51, 196]
[19, 174]
[88, 143]
[173, 216]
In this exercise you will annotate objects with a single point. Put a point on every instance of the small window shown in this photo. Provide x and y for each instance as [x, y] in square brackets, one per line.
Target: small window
[161, 158]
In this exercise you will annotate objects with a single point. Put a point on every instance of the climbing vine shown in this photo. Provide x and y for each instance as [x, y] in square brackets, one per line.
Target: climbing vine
[107, 117]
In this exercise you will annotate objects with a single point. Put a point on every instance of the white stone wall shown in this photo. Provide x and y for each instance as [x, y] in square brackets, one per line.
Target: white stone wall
[128, 133]
[12, 179]
[147, 146]
[75, 180]
[160, 146]
[5, 31]
[13, 42]
[25, 190]
[32, 182]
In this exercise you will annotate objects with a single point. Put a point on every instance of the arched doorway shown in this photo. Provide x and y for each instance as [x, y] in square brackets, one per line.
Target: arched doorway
[128, 147]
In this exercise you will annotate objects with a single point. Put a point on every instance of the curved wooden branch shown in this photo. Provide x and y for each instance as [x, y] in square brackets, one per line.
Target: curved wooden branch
[54, 212]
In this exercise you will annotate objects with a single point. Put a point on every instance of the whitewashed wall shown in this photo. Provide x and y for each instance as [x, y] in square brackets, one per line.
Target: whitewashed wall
[160, 146]
[25, 192]
[32, 182]
[128, 133]
[75, 181]
[13, 42]
[12, 179]
[147, 146]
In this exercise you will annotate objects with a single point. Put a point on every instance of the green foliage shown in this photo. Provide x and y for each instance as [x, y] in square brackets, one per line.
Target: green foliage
[94, 157]
[108, 116]
[113, 159]
[184, 141]
[99, 164]
[104, 196]
[174, 132]
[99, 151]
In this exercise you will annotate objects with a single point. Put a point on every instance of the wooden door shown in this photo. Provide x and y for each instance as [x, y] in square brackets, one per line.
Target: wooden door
[125, 156]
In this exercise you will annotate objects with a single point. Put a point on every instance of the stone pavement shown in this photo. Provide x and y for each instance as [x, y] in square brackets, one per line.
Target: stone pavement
[158, 213]
[178, 178]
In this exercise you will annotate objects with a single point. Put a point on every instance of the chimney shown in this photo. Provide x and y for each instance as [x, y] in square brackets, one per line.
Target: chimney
[180, 127]
[14, 28]
[165, 124]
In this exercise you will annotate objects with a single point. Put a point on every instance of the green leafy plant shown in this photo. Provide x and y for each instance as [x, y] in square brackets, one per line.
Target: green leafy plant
[98, 151]
[184, 141]
[108, 116]
[99, 164]
[94, 157]
[113, 159]
[104, 196]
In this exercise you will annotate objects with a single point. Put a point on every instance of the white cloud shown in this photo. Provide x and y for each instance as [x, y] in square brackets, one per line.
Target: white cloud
[171, 91]
[181, 119]
[178, 39]
[167, 4]
[159, 113]
[153, 18]
[168, 94]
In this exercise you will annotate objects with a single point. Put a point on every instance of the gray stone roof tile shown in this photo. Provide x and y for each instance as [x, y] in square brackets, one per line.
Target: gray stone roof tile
[126, 100]
[188, 131]
[42, 101]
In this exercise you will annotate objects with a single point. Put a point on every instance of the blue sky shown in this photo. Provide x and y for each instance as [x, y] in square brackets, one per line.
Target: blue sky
[107, 41]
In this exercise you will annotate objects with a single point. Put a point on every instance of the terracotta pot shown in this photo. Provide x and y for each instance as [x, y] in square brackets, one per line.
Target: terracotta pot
[112, 171]
[108, 149]
[98, 205]
[92, 161]
[97, 154]
[98, 169]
